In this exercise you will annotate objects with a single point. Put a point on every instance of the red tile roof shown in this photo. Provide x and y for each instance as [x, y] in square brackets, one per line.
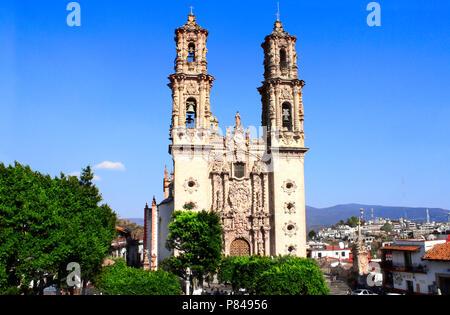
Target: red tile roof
[401, 248]
[439, 252]
[121, 229]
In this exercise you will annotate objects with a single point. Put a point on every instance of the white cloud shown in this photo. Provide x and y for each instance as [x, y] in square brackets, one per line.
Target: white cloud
[110, 166]
[97, 178]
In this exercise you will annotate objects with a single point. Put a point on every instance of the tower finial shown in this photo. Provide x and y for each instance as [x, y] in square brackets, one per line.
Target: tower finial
[191, 10]
[278, 12]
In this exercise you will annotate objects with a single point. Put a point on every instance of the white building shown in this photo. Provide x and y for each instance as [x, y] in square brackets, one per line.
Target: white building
[409, 266]
[337, 252]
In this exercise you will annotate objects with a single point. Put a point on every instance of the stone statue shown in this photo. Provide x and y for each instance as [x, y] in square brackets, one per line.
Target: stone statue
[238, 121]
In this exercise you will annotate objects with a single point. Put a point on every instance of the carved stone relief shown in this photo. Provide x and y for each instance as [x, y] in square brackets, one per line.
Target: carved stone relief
[240, 203]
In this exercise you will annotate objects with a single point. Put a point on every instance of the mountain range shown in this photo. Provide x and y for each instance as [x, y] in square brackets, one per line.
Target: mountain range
[332, 215]
[321, 217]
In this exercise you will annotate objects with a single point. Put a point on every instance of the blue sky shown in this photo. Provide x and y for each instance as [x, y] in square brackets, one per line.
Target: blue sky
[376, 100]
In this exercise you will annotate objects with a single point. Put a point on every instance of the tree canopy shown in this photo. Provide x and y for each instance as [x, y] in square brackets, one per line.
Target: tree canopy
[47, 223]
[197, 238]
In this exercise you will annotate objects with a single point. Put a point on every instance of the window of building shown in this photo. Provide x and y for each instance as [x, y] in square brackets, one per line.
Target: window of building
[239, 170]
[408, 261]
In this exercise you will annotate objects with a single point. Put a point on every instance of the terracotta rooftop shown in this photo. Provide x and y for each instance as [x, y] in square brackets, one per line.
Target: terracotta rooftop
[439, 252]
[401, 248]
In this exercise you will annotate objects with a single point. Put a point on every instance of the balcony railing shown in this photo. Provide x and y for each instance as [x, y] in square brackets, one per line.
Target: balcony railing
[388, 265]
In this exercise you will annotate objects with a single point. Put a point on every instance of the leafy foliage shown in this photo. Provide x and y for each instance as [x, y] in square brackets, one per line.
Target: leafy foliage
[119, 279]
[312, 235]
[283, 275]
[197, 238]
[47, 223]
[387, 227]
[243, 271]
[294, 276]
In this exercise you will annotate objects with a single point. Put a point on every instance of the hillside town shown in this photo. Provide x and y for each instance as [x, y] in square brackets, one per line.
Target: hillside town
[384, 256]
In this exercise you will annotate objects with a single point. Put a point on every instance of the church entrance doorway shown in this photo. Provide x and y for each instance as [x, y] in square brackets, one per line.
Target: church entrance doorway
[239, 247]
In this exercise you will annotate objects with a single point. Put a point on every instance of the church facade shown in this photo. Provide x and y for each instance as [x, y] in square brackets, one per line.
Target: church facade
[255, 184]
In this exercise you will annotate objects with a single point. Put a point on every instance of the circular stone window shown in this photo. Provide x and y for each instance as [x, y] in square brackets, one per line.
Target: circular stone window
[290, 228]
[289, 186]
[191, 185]
[289, 207]
[291, 249]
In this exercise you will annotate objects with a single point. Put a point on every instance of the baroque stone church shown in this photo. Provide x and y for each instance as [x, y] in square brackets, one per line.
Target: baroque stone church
[256, 185]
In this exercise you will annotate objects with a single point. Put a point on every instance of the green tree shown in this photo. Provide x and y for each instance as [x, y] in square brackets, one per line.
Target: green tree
[198, 239]
[119, 279]
[47, 223]
[312, 235]
[353, 221]
[387, 227]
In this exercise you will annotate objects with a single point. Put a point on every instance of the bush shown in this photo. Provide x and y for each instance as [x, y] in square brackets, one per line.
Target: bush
[242, 271]
[283, 275]
[119, 279]
[295, 276]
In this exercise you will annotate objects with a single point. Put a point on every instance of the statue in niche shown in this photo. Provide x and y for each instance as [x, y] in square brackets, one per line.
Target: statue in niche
[258, 192]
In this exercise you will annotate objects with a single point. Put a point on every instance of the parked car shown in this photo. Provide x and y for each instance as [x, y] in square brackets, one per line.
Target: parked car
[363, 292]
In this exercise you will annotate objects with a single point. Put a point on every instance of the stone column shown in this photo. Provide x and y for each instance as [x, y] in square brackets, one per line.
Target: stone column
[181, 105]
[296, 112]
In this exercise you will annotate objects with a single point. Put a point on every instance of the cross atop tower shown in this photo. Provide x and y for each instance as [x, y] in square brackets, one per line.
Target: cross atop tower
[191, 10]
[278, 12]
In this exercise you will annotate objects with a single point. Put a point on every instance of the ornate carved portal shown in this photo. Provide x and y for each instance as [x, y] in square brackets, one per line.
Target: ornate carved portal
[244, 209]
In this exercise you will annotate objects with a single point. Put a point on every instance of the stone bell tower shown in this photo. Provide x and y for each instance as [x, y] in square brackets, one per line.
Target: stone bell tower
[192, 120]
[283, 115]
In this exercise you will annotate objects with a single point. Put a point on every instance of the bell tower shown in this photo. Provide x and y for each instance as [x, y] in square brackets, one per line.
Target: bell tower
[281, 92]
[282, 114]
[193, 124]
[190, 83]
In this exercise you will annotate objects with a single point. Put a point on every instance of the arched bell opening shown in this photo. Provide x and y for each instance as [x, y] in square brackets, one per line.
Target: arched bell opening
[191, 112]
[287, 116]
[191, 52]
